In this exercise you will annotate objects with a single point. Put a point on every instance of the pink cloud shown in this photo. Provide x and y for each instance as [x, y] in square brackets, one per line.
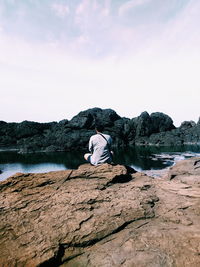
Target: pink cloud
[124, 8]
[61, 10]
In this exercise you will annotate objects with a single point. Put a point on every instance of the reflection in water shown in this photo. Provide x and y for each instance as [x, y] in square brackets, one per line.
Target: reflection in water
[153, 158]
[141, 158]
[12, 168]
[12, 162]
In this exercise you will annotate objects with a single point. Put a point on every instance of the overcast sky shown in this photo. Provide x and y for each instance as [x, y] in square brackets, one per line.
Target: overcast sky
[59, 57]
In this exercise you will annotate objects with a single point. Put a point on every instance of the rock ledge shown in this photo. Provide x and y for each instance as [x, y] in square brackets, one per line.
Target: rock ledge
[101, 216]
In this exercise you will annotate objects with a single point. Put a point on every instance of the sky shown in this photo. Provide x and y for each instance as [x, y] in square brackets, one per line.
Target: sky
[60, 57]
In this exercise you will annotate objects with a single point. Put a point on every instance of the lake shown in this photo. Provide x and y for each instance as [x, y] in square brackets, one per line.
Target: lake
[140, 158]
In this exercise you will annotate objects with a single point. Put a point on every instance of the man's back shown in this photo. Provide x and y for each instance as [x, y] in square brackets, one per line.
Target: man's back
[99, 146]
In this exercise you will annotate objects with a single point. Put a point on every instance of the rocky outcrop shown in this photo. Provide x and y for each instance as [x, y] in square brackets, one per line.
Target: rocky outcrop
[187, 124]
[187, 171]
[187, 134]
[101, 216]
[157, 122]
[154, 129]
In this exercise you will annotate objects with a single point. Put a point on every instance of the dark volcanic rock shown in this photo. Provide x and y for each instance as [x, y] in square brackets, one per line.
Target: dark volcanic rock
[86, 119]
[187, 124]
[143, 125]
[154, 129]
[7, 134]
[101, 216]
[21, 133]
[157, 122]
[180, 136]
[161, 122]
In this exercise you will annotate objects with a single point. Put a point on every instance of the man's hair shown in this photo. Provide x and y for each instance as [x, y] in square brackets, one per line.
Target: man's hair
[99, 127]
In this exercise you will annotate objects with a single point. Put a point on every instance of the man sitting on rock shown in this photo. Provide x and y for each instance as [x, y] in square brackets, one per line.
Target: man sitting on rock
[100, 147]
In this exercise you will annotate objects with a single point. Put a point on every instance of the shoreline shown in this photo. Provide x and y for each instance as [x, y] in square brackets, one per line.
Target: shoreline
[28, 151]
[49, 163]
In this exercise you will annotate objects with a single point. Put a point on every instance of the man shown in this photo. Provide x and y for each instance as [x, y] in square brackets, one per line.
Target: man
[100, 148]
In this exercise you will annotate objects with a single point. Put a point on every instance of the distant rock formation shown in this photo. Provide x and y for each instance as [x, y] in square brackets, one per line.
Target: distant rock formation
[187, 134]
[154, 129]
[101, 216]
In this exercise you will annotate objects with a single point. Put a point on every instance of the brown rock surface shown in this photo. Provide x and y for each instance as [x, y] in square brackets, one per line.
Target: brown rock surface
[101, 216]
[187, 171]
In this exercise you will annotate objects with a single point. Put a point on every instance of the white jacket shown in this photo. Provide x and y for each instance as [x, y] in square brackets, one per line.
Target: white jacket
[100, 149]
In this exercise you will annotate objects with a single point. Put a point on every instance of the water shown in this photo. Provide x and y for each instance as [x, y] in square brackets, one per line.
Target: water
[140, 158]
[12, 162]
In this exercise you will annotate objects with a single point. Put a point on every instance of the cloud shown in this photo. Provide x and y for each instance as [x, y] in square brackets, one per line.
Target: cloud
[139, 65]
[183, 32]
[43, 82]
[61, 10]
[124, 8]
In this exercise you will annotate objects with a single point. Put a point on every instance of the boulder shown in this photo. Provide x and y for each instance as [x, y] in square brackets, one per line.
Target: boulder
[186, 171]
[45, 216]
[143, 124]
[107, 215]
[86, 119]
[161, 122]
[187, 124]
[184, 135]
[147, 124]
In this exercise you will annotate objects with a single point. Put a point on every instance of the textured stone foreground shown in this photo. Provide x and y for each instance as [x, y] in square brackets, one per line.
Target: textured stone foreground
[101, 216]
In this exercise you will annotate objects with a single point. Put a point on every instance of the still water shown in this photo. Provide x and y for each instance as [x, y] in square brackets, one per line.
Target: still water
[140, 158]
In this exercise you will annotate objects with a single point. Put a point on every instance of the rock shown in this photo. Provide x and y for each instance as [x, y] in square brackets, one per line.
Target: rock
[82, 120]
[187, 124]
[45, 215]
[86, 119]
[170, 238]
[143, 125]
[187, 171]
[100, 216]
[18, 133]
[189, 135]
[161, 122]
[156, 122]
[154, 129]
